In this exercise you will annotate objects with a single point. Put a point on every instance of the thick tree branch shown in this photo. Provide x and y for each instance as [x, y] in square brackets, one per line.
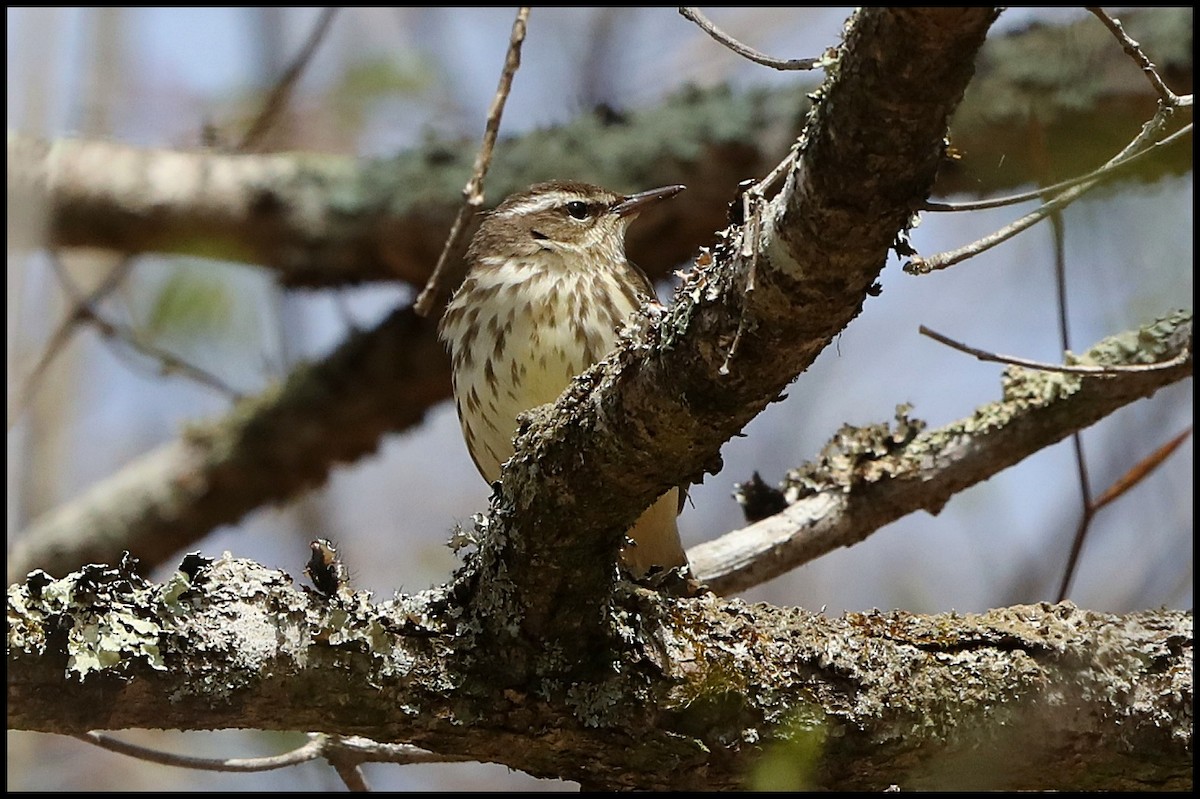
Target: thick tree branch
[869, 477]
[329, 220]
[657, 411]
[700, 689]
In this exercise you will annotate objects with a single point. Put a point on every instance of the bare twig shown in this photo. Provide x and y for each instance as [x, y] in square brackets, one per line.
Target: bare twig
[302, 754]
[63, 334]
[743, 50]
[345, 754]
[1101, 173]
[1057, 227]
[1144, 141]
[1135, 52]
[403, 754]
[923, 266]
[752, 200]
[278, 98]
[1139, 472]
[86, 311]
[351, 773]
[169, 361]
[851, 502]
[1076, 369]
[473, 192]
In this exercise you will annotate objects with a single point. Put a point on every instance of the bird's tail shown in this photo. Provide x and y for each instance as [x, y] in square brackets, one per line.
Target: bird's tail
[655, 537]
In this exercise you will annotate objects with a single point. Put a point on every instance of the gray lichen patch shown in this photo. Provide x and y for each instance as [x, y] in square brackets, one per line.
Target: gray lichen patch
[97, 611]
[855, 455]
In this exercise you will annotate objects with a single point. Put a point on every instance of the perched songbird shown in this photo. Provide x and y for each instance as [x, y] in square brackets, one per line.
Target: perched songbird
[547, 289]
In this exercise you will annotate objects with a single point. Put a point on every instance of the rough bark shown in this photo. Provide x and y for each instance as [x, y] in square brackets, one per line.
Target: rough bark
[678, 387]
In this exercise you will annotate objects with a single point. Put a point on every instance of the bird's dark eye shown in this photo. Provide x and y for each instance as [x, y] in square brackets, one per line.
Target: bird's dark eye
[577, 209]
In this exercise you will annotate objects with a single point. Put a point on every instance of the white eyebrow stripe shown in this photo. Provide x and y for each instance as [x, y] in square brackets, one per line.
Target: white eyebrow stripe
[542, 202]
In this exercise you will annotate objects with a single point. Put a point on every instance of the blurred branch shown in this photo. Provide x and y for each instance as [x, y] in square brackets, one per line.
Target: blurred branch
[63, 333]
[268, 448]
[1140, 471]
[874, 476]
[328, 220]
[85, 310]
[281, 93]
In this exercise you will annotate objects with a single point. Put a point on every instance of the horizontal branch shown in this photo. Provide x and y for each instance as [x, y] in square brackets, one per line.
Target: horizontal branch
[702, 688]
[324, 220]
[869, 477]
[268, 448]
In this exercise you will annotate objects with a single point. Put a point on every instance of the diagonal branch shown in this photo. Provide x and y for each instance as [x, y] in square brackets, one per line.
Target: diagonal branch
[886, 475]
[269, 447]
[669, 397]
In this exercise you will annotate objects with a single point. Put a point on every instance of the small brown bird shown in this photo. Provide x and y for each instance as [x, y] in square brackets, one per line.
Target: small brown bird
[547, 289]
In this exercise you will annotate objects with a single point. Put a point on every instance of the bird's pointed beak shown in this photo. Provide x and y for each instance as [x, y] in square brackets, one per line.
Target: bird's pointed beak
[634, 203]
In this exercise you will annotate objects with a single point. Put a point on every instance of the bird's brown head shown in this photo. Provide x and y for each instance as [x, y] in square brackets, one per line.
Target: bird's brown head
[561, 221]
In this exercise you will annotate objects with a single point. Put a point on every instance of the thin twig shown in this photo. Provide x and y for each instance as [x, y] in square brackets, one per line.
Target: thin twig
[1058, 231]
[403, 754]
[63, 334]
[345, 753]
[1135, 52]
[473, 192]
[351, 774]
[1100, 173]
[752, 200]
[1139, 472]
[1143, 141]
[1114, 369]
[280, 94]
[86, 311]
[301, 754]
[169, 361]
[743, 50]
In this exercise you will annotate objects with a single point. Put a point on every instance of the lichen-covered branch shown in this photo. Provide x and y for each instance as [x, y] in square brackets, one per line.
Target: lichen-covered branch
[869, 477]
[1042, 697]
